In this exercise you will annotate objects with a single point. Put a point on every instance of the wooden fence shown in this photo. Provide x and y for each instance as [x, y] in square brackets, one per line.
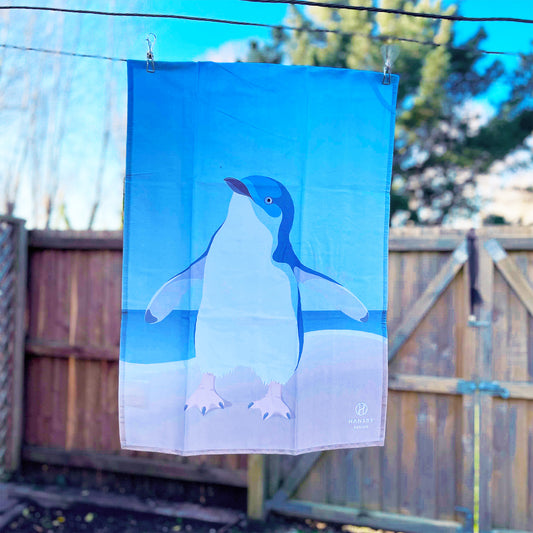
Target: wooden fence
[455, 387]
[72, 350]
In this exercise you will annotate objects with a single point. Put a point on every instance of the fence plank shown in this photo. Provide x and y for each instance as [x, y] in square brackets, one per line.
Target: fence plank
[135, 465]
[343, 515]
[530, 465]
[434, 241]
[336, 477]
[372, 478]
[423, 244]
[518, 362]
[72, 385]
[465, 366]
[256, 487]
[273, 469]
[409, 453]
[55, 349]
[428, 384]
[75, 240]
[518, 451]
[391, 459]
[354, 488]
[495, 438]
[428, 299]
[426, 448]
[447, 428]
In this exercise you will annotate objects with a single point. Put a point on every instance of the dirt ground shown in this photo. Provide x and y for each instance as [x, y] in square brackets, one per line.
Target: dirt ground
[80, 519]
[28, 508]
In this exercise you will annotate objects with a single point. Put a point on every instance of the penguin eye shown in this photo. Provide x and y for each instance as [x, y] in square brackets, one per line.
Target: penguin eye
[268, 200]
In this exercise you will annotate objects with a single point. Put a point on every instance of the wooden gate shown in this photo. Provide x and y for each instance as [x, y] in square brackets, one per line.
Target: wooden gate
[459, 445]
[505, 356]
[12, 301]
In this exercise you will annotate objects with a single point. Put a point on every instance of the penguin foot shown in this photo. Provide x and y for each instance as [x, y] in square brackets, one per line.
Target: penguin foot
[271, 406]
[205, 400]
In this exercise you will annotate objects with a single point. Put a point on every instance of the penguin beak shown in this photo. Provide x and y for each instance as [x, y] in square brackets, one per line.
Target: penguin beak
[238, 186]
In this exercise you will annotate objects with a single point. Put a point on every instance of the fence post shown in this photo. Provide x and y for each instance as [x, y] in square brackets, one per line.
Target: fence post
[17, 417]
[13, 254]
[256, 487]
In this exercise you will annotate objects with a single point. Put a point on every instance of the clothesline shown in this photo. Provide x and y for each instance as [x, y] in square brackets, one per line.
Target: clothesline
[381, 38]
[437, 16]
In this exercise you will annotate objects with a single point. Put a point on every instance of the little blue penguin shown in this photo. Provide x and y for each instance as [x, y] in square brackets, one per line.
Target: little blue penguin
[254, 289]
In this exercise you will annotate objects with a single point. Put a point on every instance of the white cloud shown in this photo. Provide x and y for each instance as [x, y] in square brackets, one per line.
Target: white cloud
[508, 195]
[226, 53]
[477, 112]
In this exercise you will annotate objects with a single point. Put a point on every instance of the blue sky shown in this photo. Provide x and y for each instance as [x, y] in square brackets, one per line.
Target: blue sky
[504, 36]
[176, 41]
[185, 40]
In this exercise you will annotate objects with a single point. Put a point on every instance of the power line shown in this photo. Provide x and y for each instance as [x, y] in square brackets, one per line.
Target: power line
[457, 18]
[381, 38]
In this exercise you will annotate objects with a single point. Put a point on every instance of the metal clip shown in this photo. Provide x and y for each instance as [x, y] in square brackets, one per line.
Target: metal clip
[390, 52]
[150, 64]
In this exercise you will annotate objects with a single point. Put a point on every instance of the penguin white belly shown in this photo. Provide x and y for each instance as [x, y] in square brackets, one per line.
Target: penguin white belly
[247, 315]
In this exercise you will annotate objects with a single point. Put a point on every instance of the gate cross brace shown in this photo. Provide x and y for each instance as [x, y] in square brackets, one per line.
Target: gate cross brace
[296, 476]
[511, 273]
[437, 286]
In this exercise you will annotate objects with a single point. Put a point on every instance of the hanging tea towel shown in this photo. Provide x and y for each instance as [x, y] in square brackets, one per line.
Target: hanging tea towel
[255, 258]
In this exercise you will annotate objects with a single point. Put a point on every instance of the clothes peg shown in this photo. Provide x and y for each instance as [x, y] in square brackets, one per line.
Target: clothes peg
[150, 64]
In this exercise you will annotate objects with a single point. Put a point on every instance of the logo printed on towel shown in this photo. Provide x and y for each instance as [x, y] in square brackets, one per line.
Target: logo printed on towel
[361, 409]
[361, 421]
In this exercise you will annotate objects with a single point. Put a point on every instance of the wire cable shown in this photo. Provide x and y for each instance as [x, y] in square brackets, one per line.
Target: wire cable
[136, 15]
[456, 18]
[59, 52]
[381, 38]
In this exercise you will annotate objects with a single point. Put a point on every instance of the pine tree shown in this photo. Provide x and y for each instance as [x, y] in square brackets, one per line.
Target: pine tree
[441, 147]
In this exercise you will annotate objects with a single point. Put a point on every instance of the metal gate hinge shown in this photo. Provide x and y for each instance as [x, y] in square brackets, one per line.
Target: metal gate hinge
[494, 389]
[490, 387]
[473, 323]
[468, 524]
[466, 387]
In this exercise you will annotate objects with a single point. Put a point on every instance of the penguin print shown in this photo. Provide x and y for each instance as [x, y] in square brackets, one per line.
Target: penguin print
[254, 289]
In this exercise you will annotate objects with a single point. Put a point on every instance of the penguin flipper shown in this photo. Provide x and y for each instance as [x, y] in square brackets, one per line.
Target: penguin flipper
[320, 293]
[170, 294]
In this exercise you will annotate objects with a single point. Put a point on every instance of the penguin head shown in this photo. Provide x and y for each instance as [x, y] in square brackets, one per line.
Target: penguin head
[268, 196]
